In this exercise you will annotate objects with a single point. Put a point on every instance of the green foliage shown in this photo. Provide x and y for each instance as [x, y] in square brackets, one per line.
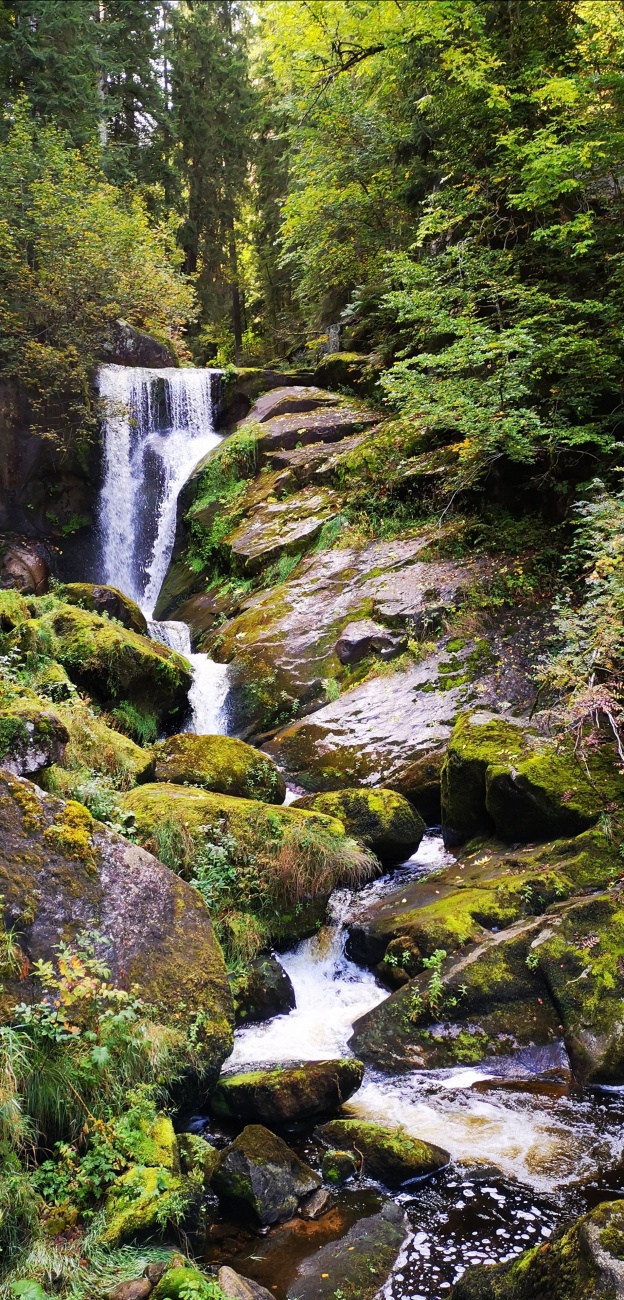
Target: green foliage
[222, 485]
[139, 726]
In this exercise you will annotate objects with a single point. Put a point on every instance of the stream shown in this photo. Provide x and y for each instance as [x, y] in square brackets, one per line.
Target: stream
[521, 1162]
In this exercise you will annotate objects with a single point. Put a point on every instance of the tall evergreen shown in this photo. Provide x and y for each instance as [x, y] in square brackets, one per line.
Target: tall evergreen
[52, 50]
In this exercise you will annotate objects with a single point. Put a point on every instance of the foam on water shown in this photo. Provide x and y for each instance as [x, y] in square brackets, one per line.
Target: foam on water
[208, 696]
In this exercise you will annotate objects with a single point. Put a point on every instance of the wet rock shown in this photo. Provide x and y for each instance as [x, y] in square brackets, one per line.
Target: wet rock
[282, 528]
[288, 431]
[264, 990]
[542, 1070]
[104, 600]
[389, 1155]
[292, 400]
[31, 737]
[26, 567]
[113, 664]
[154, 1272]
[314, 463]
[365, 637]
[584, 1262]
[62, 874]
[358, 1264]
[261, 1176]
[201, 613]
[382, 819]
[141, 1201]
[128, 346]
[221, 764]
[286, 1093]
[235, 1287]
[197, 1156]
[499, 773]
[339, 1166]
[245, 384]
[315, 1205]
[139, 1289]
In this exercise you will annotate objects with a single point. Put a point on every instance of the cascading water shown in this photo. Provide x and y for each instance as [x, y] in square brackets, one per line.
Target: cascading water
[159, 423]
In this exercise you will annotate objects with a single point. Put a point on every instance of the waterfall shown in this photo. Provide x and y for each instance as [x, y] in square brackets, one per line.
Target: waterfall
[158, 425]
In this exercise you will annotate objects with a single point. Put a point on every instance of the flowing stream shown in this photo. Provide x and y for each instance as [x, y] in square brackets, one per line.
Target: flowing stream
[159, 424]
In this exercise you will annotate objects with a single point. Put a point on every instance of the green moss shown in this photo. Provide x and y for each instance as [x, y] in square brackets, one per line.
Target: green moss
[338, 1167]
[101, 599]
[13, 610]
[184, 1282]
[382, 819]
[143, 1200]
[71, 833]
[221, 764]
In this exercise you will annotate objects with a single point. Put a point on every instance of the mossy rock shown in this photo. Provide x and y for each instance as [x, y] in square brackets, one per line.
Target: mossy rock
[221, 764]
[584, 1262]
[382, 819]
[180, 1283]
[32, 737]
[95, 748]
[357, 1265]
[261, 991]
[348, 370]
[501, 775]
[113, 664]
[389, 1155]
[63, 874]
[198, 1157]
[338, 1167]
[155, 1144]
[260, 1177]
[104, 600]
[142, 1202]
[13, 610]
[287, 1092]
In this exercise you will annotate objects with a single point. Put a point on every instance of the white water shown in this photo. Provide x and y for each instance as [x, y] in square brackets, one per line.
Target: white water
[159, 424]
[543, 1142]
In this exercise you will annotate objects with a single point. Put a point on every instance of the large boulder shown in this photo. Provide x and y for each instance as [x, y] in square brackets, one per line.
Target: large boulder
[500, 774]
[219, 763]
[32, 737]
[104, 600]
[128, 346]
[584, 1262]
[320, 425]
[383, 819]
[279, 528]
[260, 1177]
[113, 664]
[25, 566]
[262, 991]
[356, 1266]
[62, 874]
[143, 1200]
[389, 1155]
[292, 400]
[287, 1092]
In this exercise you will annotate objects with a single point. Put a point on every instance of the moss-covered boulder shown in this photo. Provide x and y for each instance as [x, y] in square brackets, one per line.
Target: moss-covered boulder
[357, 1266]
[260, 1177]
[13, 610]
[109, 601]
[584, 1262]
[155, 1144]
[197, 1157]
[62, 874]
[114, 665]
[221, 764]
[383, 819]
[288, 1092]
[500, 775]
[95, 749]
[144, 1201]
[261, 991]
[181, 1282]
[389, 1155]
[339, 1166]
[32, 737]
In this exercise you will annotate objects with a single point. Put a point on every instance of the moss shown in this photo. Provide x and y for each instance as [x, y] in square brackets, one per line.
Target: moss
[287, 1093]
[338, 1167]
[143, 1200]
[198, 1156]
[389, 1155]
[13, 610]
[476, 741]
[104, 600]
[154, 1144]
[221, 764]
[182, 1282]
[382, 819]
[71, 833]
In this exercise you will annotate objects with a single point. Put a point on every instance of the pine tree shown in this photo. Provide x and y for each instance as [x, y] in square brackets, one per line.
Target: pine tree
[52, 50]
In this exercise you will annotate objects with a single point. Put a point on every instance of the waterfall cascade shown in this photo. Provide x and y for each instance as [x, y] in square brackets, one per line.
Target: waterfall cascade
[158, 425]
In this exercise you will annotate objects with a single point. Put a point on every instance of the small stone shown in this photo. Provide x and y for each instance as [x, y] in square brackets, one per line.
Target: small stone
[338, 1167]
[260, 1174]
[139, 1289]
[235, 1287]
[154, 1272]
[316, 1204]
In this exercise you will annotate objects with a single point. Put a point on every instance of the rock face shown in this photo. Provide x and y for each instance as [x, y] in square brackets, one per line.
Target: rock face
[128, 346]
[382, 819]
[292, 400]
[364, 637]
[283, 432]
[221, 764]
[287, 1093]
[358, 1264]
[105, 600]
[264, 990]
[282, 528]
[586, 1262]
[31, 737]
[62, 874]
[261, 1177]
[388, 1155]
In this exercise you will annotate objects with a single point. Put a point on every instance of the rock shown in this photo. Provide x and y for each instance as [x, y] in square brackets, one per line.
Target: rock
[544, 1070]
[235, 1287]
[287, 1092]
[261, 1176]
[284, 432]
[349, 370]
[62, 874]
[382, 819]
[358, 1264]
[154, 1272]
[104, 600]
[500, 774]
[155, 1144]
[113, 664]
[316, 1204]
[25, 566]
[221, 764]
[292, 400]
[279, 528]
[262, 991]
[13, 610]
[142, 1200]
[31, 737]
[128, 346]
[584, 1262]
[244, 385]
[364, 637]
[197, 1155]
[389, 1155]
[315, 462]
[94, 749]
[180, 1282]
[339, 1166]
[139, 1289]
